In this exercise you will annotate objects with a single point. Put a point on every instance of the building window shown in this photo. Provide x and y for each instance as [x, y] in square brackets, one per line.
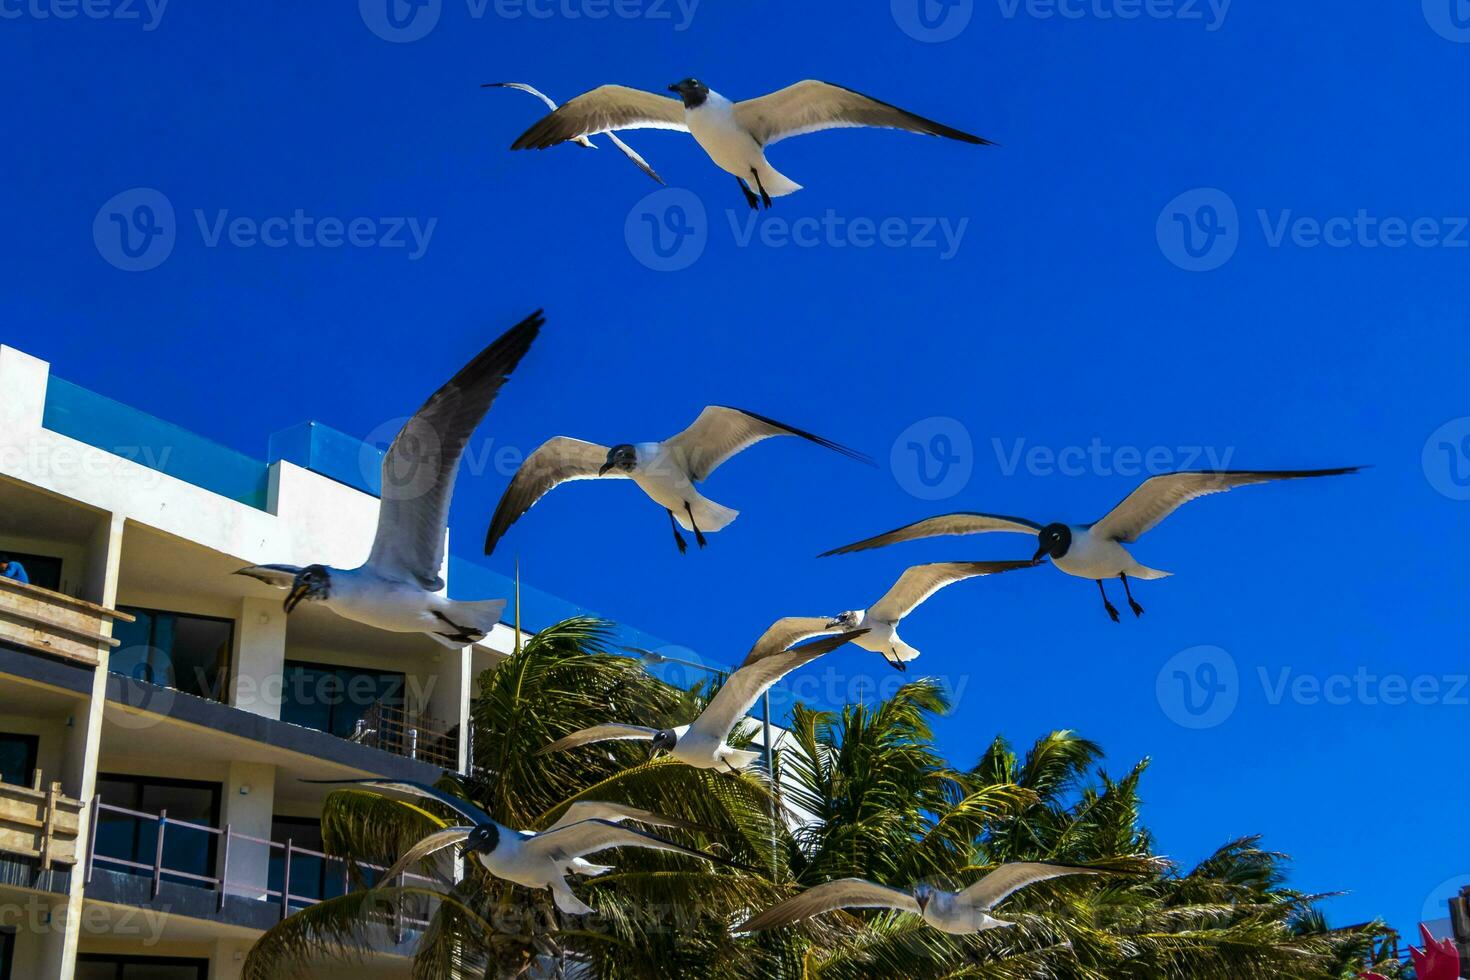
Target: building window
[312, 878]
[187, 653]
[334, 699]
[186, 850]
[7, 953]
[17, 762]
[106, 966]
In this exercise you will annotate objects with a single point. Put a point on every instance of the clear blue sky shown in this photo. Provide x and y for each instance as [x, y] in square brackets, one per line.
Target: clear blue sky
[1064, 316]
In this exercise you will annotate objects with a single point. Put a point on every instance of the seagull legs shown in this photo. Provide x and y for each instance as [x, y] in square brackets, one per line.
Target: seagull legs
[765, 198]
[698, 534]
[1137, 609]
[1112, 610]
[461, 634]
[678, 538]
[896, 663]
[750, 198]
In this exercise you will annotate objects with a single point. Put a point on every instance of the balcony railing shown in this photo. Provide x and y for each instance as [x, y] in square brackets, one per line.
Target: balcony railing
[39, 823]
[393, 729]
[238, 876]
[49, 622]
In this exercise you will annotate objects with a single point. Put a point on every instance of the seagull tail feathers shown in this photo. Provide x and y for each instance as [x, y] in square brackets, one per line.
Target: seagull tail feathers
[479, 617]
[741, 758]
[1147, 574]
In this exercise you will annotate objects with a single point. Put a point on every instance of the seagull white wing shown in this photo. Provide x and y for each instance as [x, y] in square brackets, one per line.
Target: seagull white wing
[458, 804]
[600, 733]
[812, 106]
[781, 634]
[844, 893]
[602, 110]
[559, 460]
[743, 688]
[1157, 498]
[628, 151]
[921, 581]
[420, 467]
[616, 813]
[1008, 879]
[562, 844]
[721, 432]
[281, 576]
[961, 523]
[431, 844]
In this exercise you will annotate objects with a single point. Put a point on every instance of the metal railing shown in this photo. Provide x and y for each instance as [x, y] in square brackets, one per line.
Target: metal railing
[394, 730]
[251, 883]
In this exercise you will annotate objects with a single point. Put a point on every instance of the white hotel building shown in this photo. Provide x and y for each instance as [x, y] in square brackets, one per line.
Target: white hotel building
[158, 713]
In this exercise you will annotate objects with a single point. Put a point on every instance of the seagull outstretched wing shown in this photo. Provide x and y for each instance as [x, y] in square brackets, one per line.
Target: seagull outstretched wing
[458, 804]
[420, 467]
[611, 732]
[743, 688]
[559, 460]
[812, 106]
[721, 432]
[603, 110]
[628, 151]
[921, 581]
[1158, 497]
[562, 844]
[932, 527]
[844, 893]
[1008, 879]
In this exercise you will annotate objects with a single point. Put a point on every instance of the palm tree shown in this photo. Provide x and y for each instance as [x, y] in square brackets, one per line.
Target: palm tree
[862, 792]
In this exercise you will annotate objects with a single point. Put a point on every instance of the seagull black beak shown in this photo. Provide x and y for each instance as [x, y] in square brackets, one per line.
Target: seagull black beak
[298, 593]
[675, 88]
[923, 903]
[1040, 554]
[602, 470]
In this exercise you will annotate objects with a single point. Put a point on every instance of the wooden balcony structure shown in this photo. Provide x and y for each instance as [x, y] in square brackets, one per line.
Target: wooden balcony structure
[51, 623]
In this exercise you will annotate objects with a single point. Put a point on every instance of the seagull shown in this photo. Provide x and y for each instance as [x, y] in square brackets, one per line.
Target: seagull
[399, 588]
[534, 859]
[702, 744]
[1095, 551]
[628, 151]
[666, 471]
[913, 587]
[734, 134]
[957, 913]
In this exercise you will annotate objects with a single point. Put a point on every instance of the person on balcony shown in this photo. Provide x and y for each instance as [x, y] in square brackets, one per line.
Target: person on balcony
[13, 569]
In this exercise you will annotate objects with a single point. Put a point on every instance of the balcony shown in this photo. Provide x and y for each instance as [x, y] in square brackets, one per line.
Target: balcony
[218, 873]
[39, 823]
[415, 737]
[58, 625]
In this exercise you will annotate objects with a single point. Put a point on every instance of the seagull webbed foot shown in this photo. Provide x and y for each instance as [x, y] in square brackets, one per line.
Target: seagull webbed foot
[765, 198]
[678, 538]
[750, 198]
[698, 534]
[1112, 611]
[1137, 609]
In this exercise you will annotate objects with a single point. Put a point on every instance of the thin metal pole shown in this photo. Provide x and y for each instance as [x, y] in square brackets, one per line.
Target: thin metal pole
[158, 852]
[286, 881]
[92, 834]
[224, 870]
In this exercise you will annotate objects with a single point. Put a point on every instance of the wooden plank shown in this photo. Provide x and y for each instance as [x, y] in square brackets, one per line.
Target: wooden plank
[45, 616]
[61, 599]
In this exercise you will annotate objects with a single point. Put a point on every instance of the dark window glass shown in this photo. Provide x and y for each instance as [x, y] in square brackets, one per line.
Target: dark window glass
[42, 570]
[105, 966]
[185, 849]
[7, 953]
[334, 699]
[187, 653]
[312, 877]
[17, 762]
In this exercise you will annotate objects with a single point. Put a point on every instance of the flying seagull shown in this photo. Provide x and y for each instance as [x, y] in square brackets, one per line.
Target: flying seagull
[666, 471]
[1095, 551]
[529, 858]
[734, 134]
[957, 913]
[702, 744]
[399, 588]
[628, 151]
[913, 587]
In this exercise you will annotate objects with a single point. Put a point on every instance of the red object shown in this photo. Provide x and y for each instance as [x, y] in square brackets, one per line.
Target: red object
[1439, 960]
